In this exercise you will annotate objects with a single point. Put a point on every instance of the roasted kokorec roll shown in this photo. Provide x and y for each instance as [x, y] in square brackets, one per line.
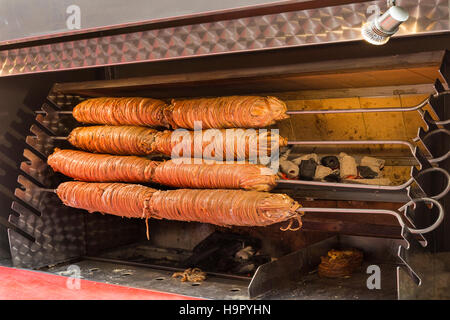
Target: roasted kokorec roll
[185, 173]
[223, 207]
[224, 144]
[87, 166]
[210, 144]
[226, 112]
[123, 140]
[219, 207]
[122, 111]
[125, 200]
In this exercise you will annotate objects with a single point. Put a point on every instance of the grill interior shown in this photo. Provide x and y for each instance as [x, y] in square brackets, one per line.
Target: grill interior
[44, 234]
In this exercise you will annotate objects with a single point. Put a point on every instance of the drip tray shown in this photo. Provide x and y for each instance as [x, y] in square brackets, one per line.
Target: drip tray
[293, 276]
[310, 287]
[155, 279]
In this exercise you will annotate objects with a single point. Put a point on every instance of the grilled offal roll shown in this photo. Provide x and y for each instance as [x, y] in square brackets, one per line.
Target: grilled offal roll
[218, 207]
[226, 112]
[122, 111]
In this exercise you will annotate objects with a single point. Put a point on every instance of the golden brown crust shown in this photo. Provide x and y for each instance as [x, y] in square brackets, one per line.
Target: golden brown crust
[85, 166]
[219, 207]
[223, 207]
[185, 173]
[233, 144]
[125, 200]
[226, 112]
[122, 111]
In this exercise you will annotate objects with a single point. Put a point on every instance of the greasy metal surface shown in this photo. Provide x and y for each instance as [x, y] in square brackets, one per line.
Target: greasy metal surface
[54, 17]
[40, 141]
[163, 267]
[47, 231]
[312, 287]
[35, 167]
[292, 267]
[160, 280]
[5, 262]
[435, 273]
[107, 231]
[290, 277]
[288, 29]
[336, 193]
[58, 124]
[56, 233]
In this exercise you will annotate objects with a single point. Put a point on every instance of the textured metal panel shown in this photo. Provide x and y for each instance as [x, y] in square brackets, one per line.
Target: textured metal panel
[106, 232]
[49, 231]
[50, 17]
[58, 234]
[288, 29]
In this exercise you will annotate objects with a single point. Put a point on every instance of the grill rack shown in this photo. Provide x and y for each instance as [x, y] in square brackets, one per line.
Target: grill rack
[38, 250]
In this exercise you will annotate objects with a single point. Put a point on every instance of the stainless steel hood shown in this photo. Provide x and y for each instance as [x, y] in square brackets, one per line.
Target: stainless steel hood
[306, 27]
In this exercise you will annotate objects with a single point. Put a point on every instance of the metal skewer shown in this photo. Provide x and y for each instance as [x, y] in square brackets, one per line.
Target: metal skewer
[373, 187]
[58, 112]
[388, 212]
[369, 110]
[47, 190]
[360, 142]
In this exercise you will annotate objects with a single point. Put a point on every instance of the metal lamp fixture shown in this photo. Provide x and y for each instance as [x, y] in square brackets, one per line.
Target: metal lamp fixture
[379, 30]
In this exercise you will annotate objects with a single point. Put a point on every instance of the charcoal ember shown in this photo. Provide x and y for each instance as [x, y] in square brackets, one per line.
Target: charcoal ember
[307, 169]
[374, 164]
[366, 173]
[219, 253]
[311, 156]
[334, 177]
[330, 162]
[322, 172]
[340, 263]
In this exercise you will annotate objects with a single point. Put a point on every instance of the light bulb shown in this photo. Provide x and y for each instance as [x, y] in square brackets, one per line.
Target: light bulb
[379, 30]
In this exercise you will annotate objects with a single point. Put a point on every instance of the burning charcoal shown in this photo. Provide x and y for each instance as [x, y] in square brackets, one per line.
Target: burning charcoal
[307, 169]
[334, 177]
[322, 172]
[311, 156]
[373, 163]
[330, 162]
[347, 166]
[366, 172]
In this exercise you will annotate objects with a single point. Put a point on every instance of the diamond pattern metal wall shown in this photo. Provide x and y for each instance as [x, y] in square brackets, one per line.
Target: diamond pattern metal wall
[299, 28]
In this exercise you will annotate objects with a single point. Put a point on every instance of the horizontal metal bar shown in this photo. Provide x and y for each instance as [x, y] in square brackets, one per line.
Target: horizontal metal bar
[353, 142]
[347, 185]
[58, 112]
[360, 110]
[330, 193]
[165, 268]
[388, 212]
[375, 187]
[370, 110]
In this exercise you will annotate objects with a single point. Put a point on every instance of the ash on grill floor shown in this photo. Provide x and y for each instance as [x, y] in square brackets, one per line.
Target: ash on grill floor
[311, 287]
[152, 279]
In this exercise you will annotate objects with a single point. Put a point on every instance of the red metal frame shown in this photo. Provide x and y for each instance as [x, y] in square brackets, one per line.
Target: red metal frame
[20, 284]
